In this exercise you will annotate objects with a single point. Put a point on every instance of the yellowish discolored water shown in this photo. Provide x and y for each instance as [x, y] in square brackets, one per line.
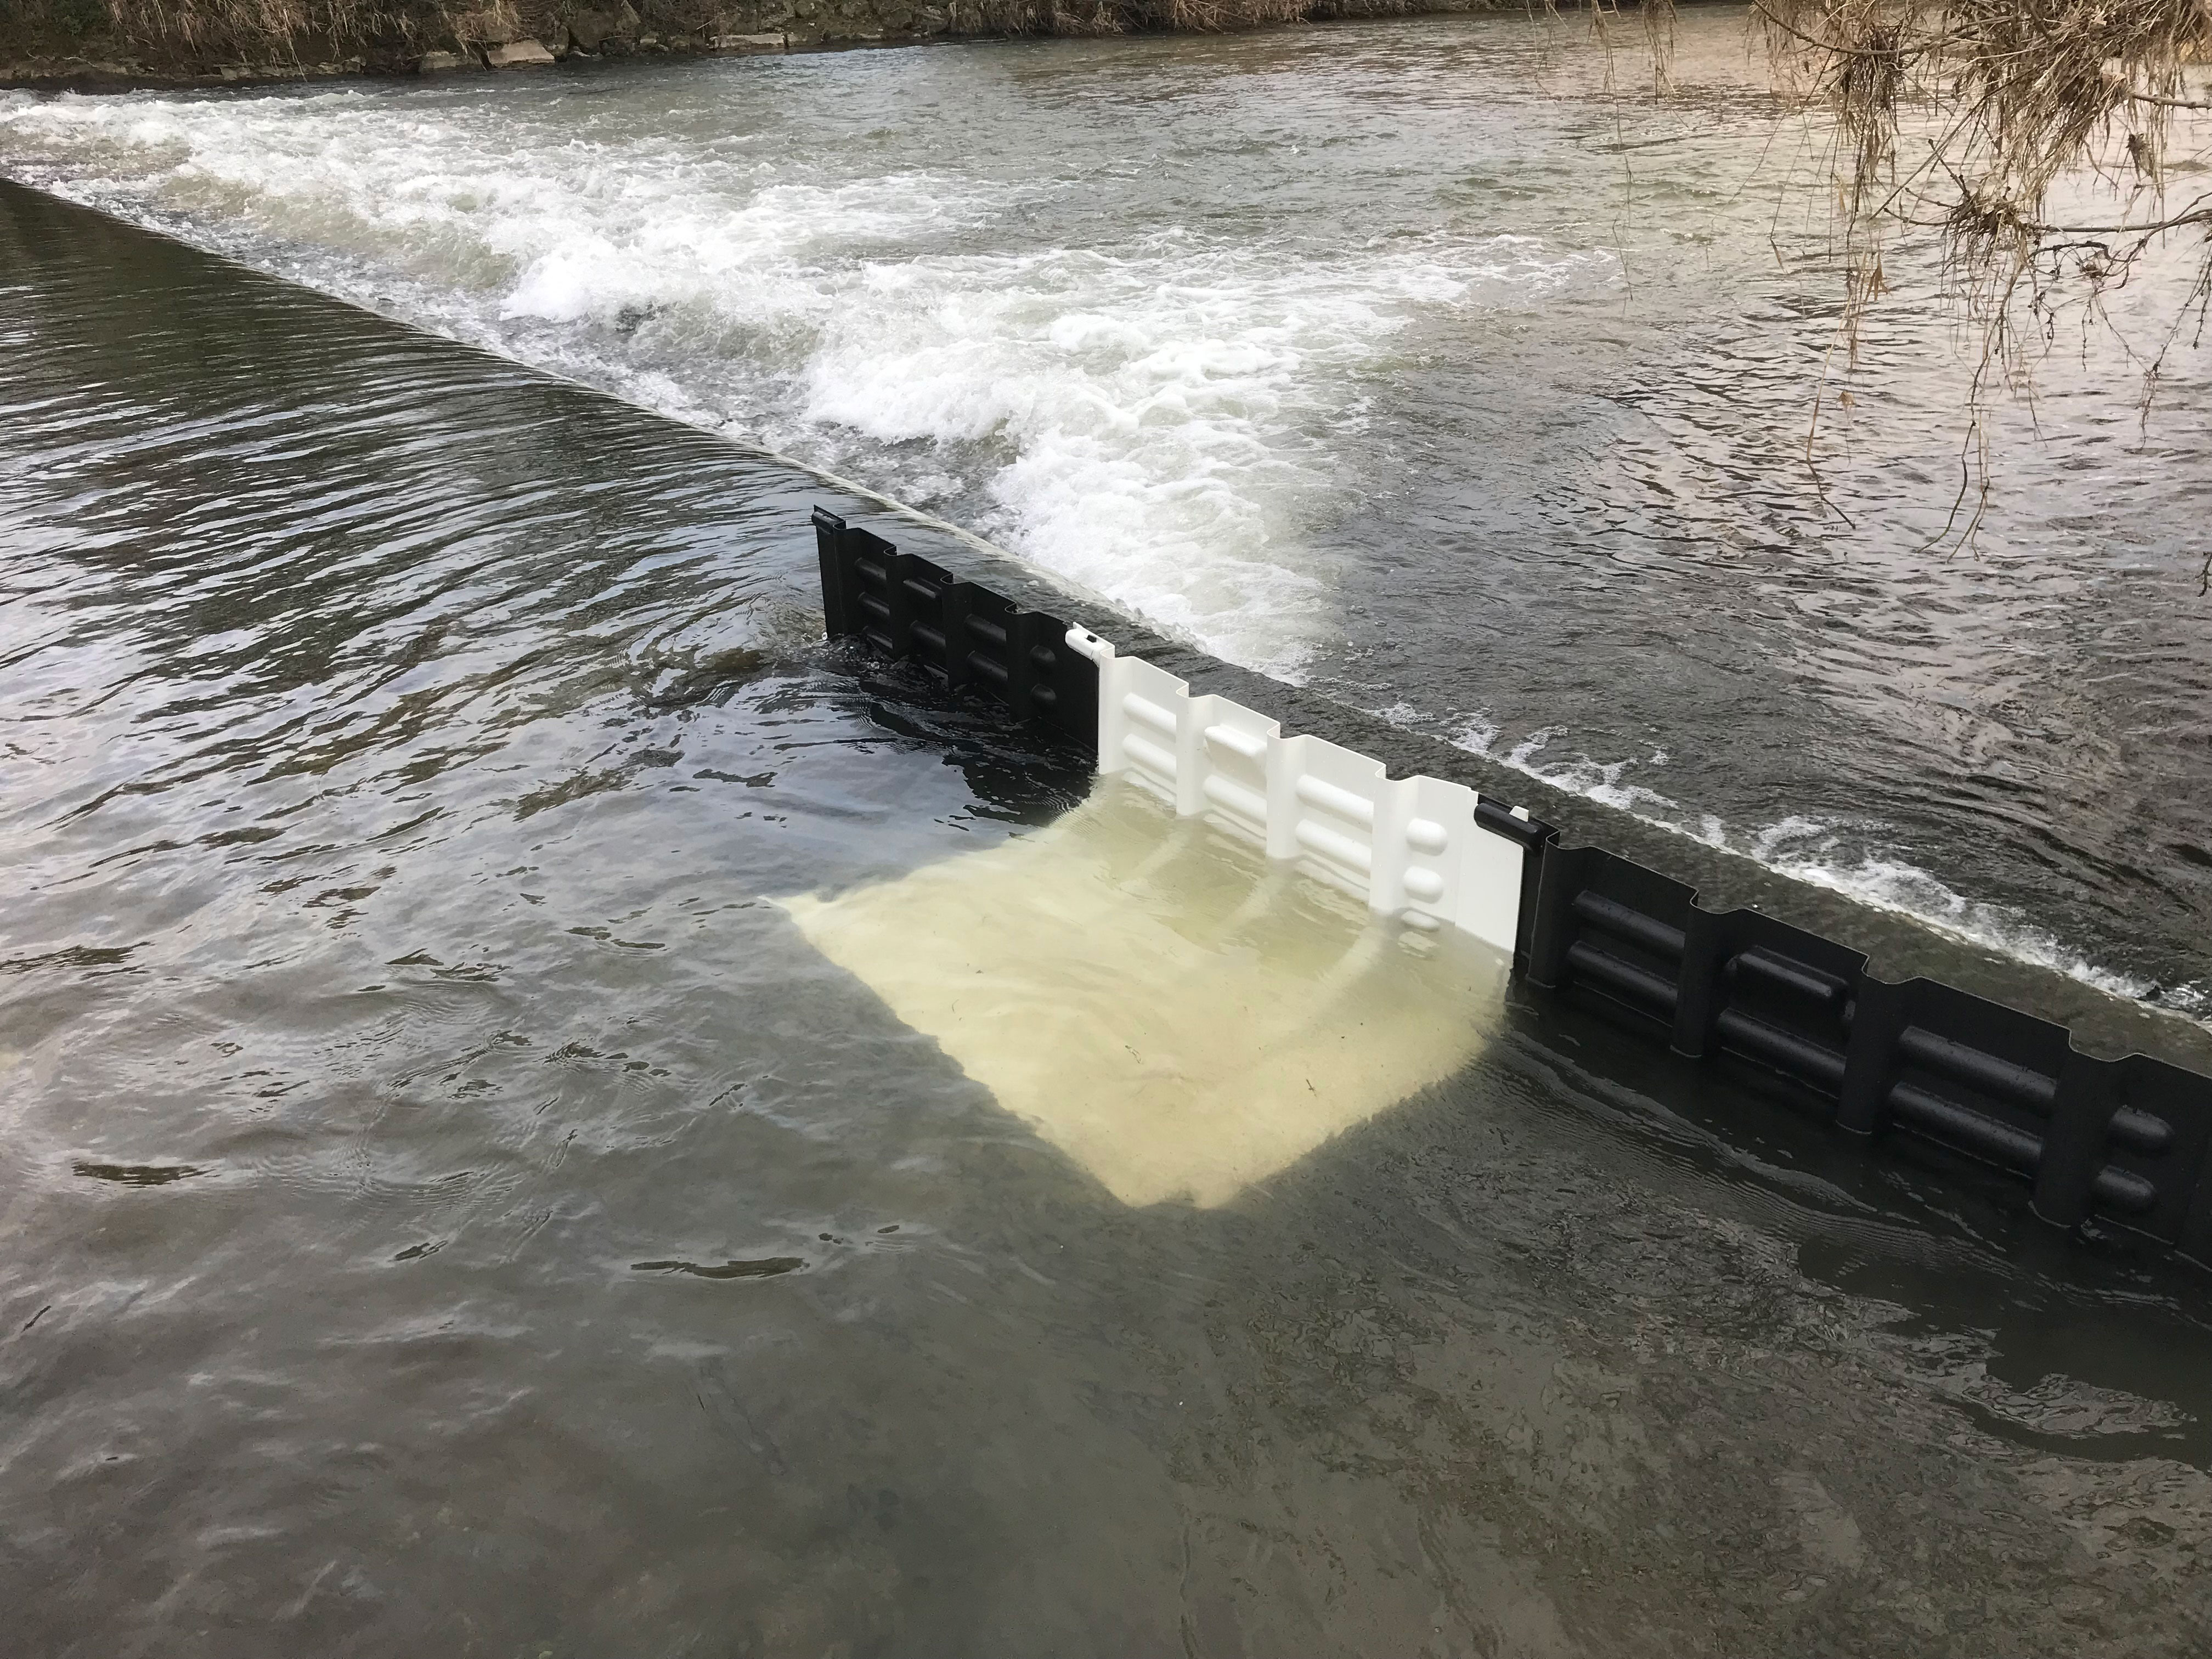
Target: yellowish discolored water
[1177, 1017]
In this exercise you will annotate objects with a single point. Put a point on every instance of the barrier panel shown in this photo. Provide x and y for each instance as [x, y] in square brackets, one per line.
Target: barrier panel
[1412, 847]
[2123, 1141]
[970, 637]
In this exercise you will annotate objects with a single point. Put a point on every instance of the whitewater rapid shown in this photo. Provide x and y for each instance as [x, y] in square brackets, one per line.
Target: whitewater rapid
[1155, 420]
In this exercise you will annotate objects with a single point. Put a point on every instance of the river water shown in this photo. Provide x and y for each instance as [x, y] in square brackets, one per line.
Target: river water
[1403, 359]
[451, 1207]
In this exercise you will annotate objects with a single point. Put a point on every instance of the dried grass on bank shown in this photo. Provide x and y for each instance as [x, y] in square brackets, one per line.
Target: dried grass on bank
[276, 31]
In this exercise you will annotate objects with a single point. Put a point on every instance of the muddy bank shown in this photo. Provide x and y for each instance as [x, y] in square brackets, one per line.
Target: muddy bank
[114, 45]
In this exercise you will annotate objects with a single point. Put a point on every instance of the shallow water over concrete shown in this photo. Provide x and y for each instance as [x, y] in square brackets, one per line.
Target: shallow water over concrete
[449, 1207]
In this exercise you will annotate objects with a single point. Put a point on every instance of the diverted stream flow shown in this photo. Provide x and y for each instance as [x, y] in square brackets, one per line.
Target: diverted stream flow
[1180, 1019]
[450, 1204]
[1403, 360]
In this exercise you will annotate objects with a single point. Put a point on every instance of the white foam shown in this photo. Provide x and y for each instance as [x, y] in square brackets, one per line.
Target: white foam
[1156, 419]
[1810, 851]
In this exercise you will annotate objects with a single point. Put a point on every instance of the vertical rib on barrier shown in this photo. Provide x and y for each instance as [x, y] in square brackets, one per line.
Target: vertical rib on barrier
[1411, 847]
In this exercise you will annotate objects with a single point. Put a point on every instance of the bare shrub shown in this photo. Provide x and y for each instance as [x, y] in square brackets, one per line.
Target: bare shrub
[1975, 120]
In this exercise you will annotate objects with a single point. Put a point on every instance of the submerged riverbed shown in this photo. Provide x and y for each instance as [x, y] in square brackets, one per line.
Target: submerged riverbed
[1404, 359]
[449, 1208]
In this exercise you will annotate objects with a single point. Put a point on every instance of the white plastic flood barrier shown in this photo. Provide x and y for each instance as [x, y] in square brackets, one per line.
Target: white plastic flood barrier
[1410, 847]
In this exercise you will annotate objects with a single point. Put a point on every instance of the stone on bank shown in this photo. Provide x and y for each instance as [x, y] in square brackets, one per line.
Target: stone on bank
[516, 53]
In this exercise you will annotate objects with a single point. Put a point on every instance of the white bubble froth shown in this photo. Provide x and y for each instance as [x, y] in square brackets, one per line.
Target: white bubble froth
[1153, 420]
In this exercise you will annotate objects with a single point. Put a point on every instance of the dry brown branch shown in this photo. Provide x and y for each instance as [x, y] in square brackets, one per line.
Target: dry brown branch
[1971, 119]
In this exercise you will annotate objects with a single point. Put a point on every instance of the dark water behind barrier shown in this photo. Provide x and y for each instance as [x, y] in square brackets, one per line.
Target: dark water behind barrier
[445, 1210]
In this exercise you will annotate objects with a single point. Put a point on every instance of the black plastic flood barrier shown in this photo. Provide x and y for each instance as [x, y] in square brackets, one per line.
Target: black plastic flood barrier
[907, 608]
[2122, 1140]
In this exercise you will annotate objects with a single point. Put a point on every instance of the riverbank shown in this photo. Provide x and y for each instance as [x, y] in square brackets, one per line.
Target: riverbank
[119, 44]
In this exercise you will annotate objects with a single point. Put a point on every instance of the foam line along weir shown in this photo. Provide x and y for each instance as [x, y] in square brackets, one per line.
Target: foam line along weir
[2126, 1141]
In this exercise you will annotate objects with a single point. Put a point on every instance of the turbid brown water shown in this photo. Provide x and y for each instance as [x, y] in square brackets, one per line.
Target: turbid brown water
[448, 1209]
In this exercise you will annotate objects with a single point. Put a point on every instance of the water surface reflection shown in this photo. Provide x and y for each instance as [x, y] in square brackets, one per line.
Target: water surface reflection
[448, 1209]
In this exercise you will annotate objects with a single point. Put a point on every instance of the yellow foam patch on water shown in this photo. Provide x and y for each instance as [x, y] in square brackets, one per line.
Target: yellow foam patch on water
[1178, 1016]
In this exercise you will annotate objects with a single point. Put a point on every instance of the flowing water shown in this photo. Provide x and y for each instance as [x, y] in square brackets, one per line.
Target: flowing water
[483, 1174]
[1405, 359]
